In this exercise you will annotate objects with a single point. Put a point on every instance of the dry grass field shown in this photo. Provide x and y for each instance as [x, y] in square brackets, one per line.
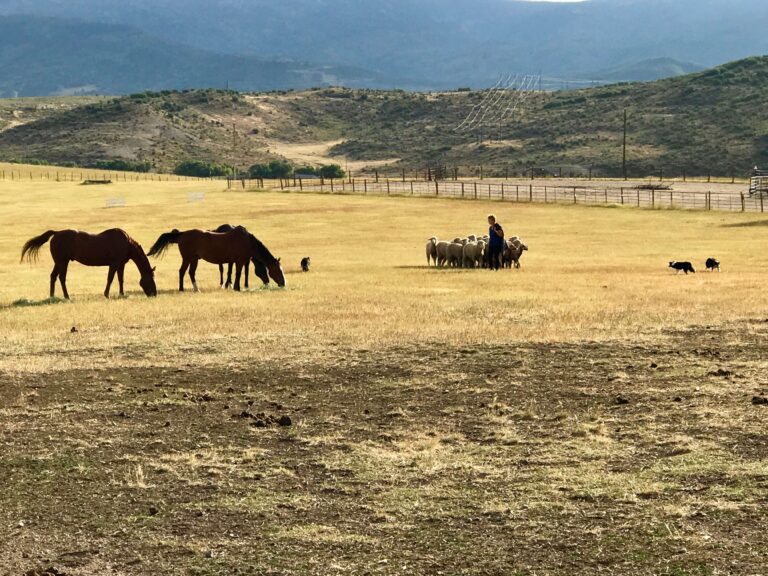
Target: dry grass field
[591, 413]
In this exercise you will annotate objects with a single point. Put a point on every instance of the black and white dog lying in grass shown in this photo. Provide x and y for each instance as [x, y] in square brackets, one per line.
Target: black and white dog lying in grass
[712, 265]
[682, 267]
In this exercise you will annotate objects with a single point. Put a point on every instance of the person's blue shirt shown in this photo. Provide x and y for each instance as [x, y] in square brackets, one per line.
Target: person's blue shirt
[495, 240]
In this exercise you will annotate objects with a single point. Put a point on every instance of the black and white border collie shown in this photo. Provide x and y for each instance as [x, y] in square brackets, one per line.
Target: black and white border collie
[682, 267]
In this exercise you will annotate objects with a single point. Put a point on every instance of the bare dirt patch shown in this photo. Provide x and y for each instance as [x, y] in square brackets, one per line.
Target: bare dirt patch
[587, 458]
[316, 153]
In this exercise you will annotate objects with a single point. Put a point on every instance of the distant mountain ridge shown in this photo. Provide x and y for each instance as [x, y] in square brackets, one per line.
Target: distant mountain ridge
[646, 71]
[42, 56]
[441, 44]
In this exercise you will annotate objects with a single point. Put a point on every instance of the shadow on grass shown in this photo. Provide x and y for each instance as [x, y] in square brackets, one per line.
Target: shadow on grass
[26, 303]
[752, 224]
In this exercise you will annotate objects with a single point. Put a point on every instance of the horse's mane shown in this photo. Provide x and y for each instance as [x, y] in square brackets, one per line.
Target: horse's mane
[262, 250]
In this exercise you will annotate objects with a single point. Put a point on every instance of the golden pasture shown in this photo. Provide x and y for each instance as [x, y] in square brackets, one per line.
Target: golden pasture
[591, 413]
[590, 274]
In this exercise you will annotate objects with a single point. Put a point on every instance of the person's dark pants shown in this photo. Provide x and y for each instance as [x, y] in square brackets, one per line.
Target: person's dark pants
[494, 257]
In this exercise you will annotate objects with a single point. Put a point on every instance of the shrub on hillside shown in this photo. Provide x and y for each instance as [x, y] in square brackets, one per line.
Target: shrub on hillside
[201, 169]
[331, 171]
[123, 165]
[275, 169]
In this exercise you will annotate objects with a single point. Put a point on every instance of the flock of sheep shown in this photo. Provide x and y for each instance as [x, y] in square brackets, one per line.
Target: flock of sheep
[470, 252]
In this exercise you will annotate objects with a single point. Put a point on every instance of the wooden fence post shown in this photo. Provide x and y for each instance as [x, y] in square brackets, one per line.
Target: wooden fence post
[743, 207]
[387, 186]
[475, 184]
[761, 202]
[574, 194]
[606, 195]
[411, 187]
[653, 198]
[502, 191]
[365, 185]
[530, 192]
[622, 196]
[437, 189]
[462, 189]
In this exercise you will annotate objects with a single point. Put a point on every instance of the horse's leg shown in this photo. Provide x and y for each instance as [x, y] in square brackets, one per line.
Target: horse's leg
[182, 271]
[237, 276]
[192, 270]
[120, 271]
[229, 275]
[63, 279]
[221, 275]
[247, 267]
[54, 276]
[110, 277]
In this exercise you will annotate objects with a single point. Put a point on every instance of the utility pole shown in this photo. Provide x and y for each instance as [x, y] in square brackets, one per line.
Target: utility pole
[624, 148]
[234, 148]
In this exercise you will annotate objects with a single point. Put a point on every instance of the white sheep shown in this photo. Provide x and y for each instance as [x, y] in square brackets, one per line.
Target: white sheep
[513, 251]
[442, 252]
[473, 254]
[455, 254]
[432, 250]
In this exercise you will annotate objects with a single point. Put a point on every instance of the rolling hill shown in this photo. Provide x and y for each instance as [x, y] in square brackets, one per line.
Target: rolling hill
[712, 120]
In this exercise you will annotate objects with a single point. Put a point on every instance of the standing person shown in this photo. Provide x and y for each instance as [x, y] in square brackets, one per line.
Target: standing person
[495, 243]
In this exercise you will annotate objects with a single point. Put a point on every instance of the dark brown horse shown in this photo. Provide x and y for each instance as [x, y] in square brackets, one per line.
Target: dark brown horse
[258, 267]
[261, 253]
[111, 248]
[236, 246]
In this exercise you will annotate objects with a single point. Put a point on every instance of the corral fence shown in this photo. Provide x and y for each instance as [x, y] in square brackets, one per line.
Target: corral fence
[639, 196]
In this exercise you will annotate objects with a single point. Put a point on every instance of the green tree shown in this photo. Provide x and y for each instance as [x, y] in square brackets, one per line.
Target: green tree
[201, 169]
[275, 169]
[332, 171]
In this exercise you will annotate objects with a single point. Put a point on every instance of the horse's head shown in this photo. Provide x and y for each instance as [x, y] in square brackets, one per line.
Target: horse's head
[147, 283]
[275, 270]
[261, 271]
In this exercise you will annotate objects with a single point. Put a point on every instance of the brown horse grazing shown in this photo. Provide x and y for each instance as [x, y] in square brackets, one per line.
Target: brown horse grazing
[261, 253]
[258, 267]
[111, 248]
[213, 247]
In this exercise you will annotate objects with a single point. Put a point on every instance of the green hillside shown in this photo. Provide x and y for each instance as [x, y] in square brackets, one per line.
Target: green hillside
[714, 120]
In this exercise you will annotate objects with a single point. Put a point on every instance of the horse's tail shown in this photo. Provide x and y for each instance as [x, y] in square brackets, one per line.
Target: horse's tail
[33, 245]
[159, 247]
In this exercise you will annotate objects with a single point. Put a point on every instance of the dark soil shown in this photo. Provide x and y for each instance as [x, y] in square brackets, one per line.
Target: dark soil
[532, 459]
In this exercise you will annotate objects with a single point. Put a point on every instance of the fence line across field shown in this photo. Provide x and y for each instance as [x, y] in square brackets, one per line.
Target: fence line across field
[590, 195]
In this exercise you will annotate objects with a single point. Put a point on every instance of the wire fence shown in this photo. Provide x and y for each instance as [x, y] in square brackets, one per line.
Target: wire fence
[638, 196]
[89, 175]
